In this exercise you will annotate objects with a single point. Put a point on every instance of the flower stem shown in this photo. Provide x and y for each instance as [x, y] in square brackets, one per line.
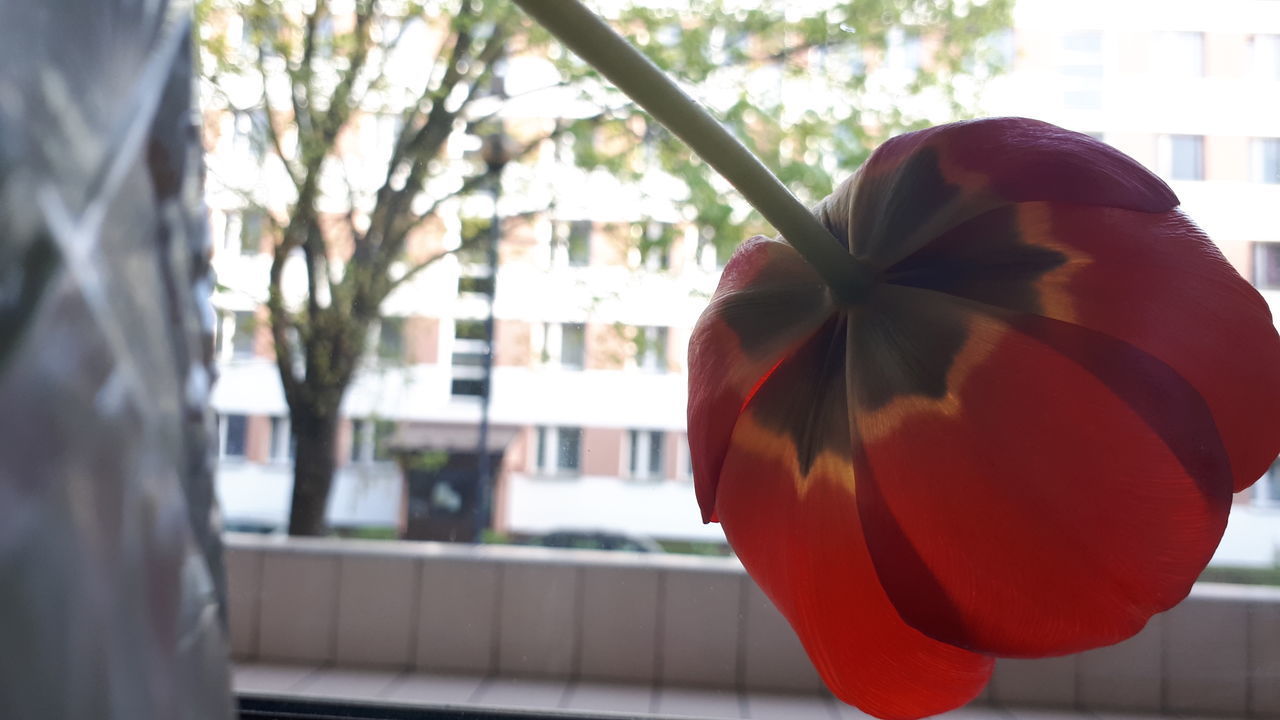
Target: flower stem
[597, 43]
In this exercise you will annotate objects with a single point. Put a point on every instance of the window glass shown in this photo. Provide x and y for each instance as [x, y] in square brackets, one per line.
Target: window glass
[1266, 160]
[383, 430]
[569, 450]
[469, 329]
[475, 285]
[1081, 69]
[249, 134]
[1186, 157]
[573, 346]
[578, 243]
[904, 51]
[243, 335]
[559, 450]
[609, 252]
[1267, 490]
[361, 441]
[284, 444]
[1266, 265]
[645, 454]
[1266, 56]
[655, 246]
[470, 348]
[251, 229]
[391, 338]
[651, 349]
[1181, 53]
[235, 435]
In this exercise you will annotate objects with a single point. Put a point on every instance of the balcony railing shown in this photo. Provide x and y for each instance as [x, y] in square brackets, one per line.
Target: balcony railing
[439, 625]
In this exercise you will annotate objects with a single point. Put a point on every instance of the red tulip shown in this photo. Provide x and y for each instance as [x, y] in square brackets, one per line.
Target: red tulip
[1022, 441]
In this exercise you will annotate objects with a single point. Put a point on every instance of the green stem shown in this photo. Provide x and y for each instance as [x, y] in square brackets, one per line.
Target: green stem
[597, 43]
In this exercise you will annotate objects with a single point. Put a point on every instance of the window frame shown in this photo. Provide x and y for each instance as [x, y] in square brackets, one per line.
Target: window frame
[547, 454]
[646, 454]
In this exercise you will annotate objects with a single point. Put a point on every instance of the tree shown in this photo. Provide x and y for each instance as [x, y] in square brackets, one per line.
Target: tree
[315, 69]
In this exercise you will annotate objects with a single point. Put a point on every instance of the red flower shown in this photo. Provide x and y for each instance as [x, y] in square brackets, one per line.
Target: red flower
[1022, 442]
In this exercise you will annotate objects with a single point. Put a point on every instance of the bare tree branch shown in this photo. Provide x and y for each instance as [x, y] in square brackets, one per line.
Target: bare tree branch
[272, 132]
[340, 106]
[469, 185]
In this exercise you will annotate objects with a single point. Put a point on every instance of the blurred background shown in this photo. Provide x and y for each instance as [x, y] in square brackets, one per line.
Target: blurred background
[457, 272]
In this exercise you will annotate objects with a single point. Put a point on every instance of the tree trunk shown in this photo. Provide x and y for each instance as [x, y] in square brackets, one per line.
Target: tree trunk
[313, 469]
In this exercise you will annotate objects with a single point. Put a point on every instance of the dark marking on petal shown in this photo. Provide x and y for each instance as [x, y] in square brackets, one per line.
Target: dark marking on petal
[759, 316]
[901, 350]
[983, 260]
[889, 214]
[805, 397]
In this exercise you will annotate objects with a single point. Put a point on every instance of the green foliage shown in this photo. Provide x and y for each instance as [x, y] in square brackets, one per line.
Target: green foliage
[811, 149]
[1242, 575]
[426, 461]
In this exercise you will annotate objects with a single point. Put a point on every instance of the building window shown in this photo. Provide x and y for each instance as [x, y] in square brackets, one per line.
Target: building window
[573, 346]
[686, 462]
[1081, 70]
[222, 328]
[1182, 53]
[251, 222]
[233, 435]
[651, 349]
[249, 134]
[571, 244]
[242, 232]
[655, 244]
[391, 338]
[645, 460]
[244, 325]
[361, 441]
[1266, 265]
[904, 50]
[383, 432]
[563, 345]
[371, 440]
[559, 451]
[1266, 56]
[1266, 160]
[712, 255]
[284, 444]
[1182, 156]
[469, 350]
[475, 284]
[386, 133]
[1267, 490]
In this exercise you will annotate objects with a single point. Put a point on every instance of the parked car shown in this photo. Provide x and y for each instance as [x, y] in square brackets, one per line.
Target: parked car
[597, 540]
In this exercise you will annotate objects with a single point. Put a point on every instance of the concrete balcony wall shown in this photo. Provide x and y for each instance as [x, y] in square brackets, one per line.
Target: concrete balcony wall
[680, 621]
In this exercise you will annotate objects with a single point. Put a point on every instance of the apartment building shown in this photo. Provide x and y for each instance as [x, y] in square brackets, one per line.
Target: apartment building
[1189, 89]
[1192, 91]
[593, 316]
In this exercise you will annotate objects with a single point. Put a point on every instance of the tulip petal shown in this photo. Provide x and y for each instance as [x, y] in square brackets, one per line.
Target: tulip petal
[769, 301]
[1071, 487]
[1154, 281]
[918, 185]
[786, 502]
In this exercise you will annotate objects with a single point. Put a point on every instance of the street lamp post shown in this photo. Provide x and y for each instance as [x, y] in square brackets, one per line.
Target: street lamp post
[496, 155]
